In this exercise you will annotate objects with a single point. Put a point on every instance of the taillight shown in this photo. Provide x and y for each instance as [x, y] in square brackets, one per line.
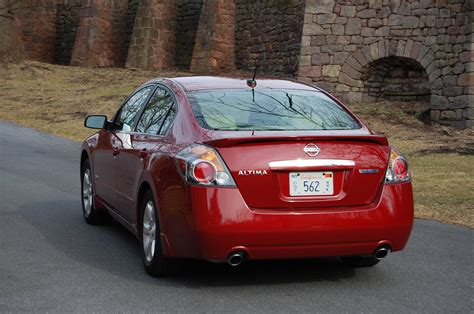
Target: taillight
[397, 170]
[201, 164]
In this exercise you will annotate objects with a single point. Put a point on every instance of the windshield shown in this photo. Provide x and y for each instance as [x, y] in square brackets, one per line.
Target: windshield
[269, 110]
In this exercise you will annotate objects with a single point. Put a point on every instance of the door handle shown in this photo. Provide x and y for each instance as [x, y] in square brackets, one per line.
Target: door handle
[143, 153]
[115, 151]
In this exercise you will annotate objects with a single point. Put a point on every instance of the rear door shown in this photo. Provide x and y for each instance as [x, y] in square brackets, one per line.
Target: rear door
[281, 174]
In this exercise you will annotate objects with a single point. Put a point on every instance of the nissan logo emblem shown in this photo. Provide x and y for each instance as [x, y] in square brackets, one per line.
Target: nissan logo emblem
[311, 150]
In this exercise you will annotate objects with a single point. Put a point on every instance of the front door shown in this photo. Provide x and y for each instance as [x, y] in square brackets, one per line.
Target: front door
[105, 168]
[147, 139]
[113, 141]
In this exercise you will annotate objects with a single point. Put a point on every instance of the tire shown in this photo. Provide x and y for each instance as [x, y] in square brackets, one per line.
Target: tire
[91, 215]
[156, 264]
[360, 261]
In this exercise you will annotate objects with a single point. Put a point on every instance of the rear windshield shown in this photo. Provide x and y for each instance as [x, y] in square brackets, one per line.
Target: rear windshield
[270, 110]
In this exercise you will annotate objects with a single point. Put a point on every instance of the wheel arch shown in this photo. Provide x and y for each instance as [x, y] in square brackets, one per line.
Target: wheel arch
[144, 187]
[84, 157]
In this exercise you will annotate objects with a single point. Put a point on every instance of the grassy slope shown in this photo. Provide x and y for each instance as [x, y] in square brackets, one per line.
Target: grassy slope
[56, 99]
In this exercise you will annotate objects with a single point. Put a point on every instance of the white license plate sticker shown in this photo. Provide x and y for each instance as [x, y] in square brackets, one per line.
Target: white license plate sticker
[311, 183]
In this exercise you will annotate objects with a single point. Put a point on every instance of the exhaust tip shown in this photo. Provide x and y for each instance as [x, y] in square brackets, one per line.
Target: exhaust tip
[381, 253]
[235, 259]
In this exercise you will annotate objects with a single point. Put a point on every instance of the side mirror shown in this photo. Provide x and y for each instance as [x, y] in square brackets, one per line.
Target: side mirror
[96, 122]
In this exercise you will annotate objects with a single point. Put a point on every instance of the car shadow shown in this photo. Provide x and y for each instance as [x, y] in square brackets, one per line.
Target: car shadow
[113, 249]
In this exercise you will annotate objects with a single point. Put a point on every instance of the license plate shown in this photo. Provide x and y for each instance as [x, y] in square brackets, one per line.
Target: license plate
[311, 183]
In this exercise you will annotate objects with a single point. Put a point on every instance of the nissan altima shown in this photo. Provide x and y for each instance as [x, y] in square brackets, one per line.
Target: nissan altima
[231, 170]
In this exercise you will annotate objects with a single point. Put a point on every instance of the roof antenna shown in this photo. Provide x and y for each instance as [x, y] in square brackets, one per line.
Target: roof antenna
[253, 83]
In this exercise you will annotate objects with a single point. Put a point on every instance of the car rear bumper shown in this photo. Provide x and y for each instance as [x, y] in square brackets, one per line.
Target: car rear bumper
[224, 224]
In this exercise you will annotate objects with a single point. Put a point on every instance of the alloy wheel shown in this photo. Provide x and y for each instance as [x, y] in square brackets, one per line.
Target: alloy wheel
[87, 192]
[149, 231]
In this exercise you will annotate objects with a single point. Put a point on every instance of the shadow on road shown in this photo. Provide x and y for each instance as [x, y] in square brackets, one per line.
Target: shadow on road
[112, 249]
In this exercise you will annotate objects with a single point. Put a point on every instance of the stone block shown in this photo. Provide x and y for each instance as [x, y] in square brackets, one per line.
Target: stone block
[325, 18]
[382, 31]
[340, 57]
[375, 23]
[453, 91]
[384, 12]
[415, 51]
[360, 57]
[305, 60]
[395, 20]
[439, 102]
[320, 6]
[346, 80]
[309, 71]
[350, 61]
[342, 88]
[375, 4]
[468, 113]
[348, 10]
[448, 115]
[353, 26]
[405, 8]
[351, 72]
[312, 29]
[466, 79]
[366, 14]
[331, 70]
[410, 22]
[337, 29]
[320, 58]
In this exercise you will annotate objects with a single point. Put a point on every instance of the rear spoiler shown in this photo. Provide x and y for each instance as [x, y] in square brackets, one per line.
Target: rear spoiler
[228, 142]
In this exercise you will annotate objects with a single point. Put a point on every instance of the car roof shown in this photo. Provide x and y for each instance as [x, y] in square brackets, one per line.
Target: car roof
[196, 83]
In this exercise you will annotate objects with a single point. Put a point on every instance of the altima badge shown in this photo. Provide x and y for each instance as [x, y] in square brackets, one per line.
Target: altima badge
[252, 172]
[312, 150]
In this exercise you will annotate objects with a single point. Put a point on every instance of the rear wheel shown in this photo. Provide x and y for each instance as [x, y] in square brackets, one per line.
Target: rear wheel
[360, 261]
[156, 264]
[91, 214]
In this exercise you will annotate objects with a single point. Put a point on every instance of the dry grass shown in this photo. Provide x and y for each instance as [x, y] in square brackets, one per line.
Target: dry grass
[442, 159]
[56, 99]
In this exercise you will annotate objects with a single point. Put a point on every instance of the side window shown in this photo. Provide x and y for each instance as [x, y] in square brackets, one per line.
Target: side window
[169, 119]
[156, 111]
[131, 108]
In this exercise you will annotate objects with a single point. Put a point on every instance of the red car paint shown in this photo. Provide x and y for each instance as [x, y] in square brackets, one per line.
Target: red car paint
[258, 216]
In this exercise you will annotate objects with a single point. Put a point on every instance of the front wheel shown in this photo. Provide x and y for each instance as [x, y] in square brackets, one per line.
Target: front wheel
[156, 264]
[91, 214]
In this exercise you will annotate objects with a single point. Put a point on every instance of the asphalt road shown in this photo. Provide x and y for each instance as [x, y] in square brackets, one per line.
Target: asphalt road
[50, 260]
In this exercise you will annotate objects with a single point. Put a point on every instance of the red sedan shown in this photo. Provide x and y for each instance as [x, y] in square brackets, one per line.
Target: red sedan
[229, 170]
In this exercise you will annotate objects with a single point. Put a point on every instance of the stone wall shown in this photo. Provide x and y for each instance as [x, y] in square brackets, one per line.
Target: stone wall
[152, 46]
[37, 20]
[268, 34]
[343, 40]
[67, 22]
[11, 47]
[361, 50]
[131, 14]
[101, 36]
[214, 48]
[188, 13]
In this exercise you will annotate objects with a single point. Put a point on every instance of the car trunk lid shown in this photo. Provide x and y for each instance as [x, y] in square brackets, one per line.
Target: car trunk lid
[264, 167]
